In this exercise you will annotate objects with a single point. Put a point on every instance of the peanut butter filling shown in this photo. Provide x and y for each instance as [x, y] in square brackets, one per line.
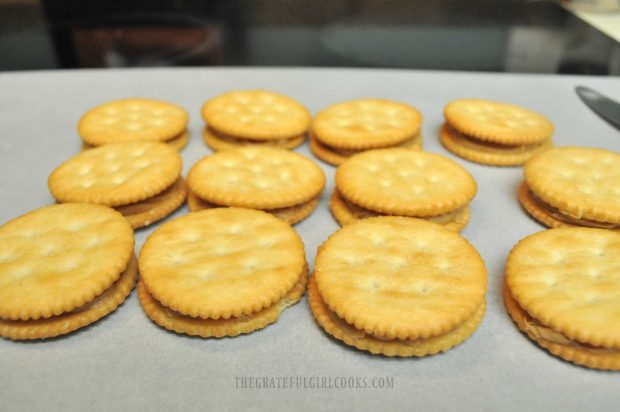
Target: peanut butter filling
[129, 271]
[543, 332]
[361, 334]
[362, 213]
[345, 152]
[484, 146]
[146, 205]
[175, 141]
[557, 214]
[177, 138]
[241, 141]
[291, 214]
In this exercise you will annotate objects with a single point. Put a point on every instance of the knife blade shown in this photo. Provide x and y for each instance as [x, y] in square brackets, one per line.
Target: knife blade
[603, 106]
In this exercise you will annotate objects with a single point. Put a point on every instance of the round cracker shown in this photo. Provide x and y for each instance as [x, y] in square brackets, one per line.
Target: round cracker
[341, 330]
[405, 182]
[256, 115]
[92, 311]
[497, 122]
[223, 262]
[116, 174]
[400, 278]
[207, 328]
[132, 120]
[256, 177]
[570, 351]
[366, 124]
[569, 280]
[581, 182]
[59, 257]
[487, 154]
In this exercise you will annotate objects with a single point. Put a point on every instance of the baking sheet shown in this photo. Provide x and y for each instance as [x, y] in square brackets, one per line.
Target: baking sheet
[125, 361]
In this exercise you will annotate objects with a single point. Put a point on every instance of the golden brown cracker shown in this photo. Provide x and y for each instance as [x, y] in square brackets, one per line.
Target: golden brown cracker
[497, 122]
[366, 124]
[132, 120]
[400, 278]
[221, 263]
[58, 258]
[256, 115]
[405, 182]
[256, 177]
[583, 183]
[568, 279]
[116, 174]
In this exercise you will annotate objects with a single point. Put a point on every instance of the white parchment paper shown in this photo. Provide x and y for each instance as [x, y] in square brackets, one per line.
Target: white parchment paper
[125, 362]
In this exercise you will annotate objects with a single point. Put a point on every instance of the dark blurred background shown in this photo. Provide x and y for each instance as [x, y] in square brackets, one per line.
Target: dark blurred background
[483, 35]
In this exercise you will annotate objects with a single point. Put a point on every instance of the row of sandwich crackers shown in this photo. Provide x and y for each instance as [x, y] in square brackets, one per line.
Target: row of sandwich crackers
[397, 279]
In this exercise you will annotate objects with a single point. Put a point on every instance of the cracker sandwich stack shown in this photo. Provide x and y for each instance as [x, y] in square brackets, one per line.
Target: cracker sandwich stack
[562, 288]
[398, 286]
[141, 180]
[573, 186]
[493, 133]
[135, 119]
[345, 129]
[254, 117]
[63, 267]
[403, 182]
[221, 272]
[283, 183]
